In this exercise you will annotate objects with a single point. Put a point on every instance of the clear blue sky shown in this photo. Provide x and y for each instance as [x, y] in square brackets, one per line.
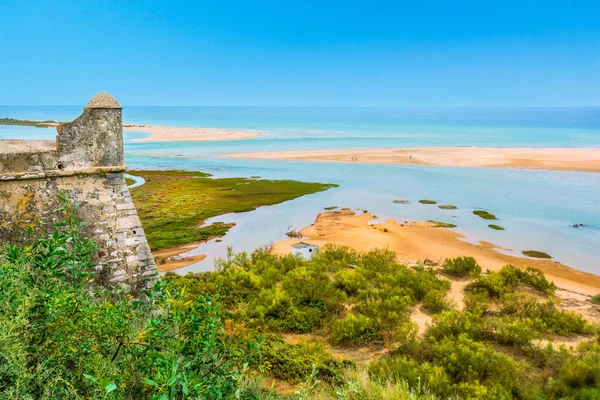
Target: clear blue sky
[306, 53]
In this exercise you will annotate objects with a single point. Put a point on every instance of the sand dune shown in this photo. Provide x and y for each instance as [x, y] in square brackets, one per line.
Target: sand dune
[563, 159]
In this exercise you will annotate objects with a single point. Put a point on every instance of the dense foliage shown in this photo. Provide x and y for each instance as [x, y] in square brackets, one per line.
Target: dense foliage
[492, 349]
[62, 338]
[287, 319]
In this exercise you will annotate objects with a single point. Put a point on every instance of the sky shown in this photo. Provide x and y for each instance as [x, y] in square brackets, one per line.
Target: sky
[301, 53]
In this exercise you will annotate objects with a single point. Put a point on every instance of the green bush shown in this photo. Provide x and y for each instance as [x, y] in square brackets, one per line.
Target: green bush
[595, 299]
[427, 202]
[62, 337]
[349, 281]
[436, 301]
[496, 227]
[353, 330]
[508, 279]
[293, 363]
[461, 266]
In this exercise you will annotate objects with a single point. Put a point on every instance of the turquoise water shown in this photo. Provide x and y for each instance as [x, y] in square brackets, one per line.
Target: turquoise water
[537, 208]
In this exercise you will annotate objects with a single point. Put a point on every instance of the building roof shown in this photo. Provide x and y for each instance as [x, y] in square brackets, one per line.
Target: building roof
[302, 245]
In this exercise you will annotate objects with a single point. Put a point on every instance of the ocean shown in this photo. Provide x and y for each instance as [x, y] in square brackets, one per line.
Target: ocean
[537, 208]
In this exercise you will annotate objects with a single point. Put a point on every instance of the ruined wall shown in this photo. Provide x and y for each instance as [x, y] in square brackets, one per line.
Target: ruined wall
[86, 163]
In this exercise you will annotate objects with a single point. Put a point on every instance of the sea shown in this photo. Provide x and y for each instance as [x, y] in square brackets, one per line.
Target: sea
[537, 208]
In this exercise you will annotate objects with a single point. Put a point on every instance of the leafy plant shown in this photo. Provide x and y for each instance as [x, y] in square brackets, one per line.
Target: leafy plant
[461, 266]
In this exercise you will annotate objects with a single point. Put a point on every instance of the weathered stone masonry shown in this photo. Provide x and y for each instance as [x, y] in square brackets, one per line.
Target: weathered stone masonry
[87, 164]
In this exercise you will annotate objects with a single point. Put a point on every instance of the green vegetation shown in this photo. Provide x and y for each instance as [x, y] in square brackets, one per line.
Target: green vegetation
[331, 208]
[595, 299]
[25, 122]
[61, 338]
[535, 254]
[427, 202]
[223, 334]
[484, 214]
[496, 227]
[129, 181]
[461, 267]
[172, 204]
[447, 207]
[439, 224]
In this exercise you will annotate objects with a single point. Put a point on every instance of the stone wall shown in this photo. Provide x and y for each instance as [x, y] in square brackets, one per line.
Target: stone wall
[86, 163]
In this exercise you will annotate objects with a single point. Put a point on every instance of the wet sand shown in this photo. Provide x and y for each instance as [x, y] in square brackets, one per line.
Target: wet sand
[557, 159]
[181, 134]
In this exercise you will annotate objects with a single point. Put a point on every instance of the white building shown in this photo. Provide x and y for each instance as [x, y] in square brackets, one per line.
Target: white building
[305, 250]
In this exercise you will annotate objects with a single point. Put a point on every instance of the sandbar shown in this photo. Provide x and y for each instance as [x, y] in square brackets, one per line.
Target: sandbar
[556, 159]
[184, 134]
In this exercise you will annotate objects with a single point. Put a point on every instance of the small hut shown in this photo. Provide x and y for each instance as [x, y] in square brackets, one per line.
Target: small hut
[304, 250]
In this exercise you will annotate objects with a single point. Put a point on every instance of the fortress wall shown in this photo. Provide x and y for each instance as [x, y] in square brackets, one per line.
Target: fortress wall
[86, 163]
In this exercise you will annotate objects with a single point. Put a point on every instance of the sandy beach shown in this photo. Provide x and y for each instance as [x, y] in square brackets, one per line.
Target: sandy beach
[558, 159]
[181, 134]
[418, 241]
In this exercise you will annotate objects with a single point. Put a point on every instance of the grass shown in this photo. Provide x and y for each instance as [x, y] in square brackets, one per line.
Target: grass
[439, 224]
[536, 254]
[496, 227]
[484, 214]
[25, 122]
[173, 204]
[447, 207]
[331, 208]
[596, 299]
[427, 202]
[129, 181]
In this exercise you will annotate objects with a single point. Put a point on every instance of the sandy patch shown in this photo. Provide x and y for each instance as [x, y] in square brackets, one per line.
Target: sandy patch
[181, 134]
[165, 262]
[565, 159]
[419, 241]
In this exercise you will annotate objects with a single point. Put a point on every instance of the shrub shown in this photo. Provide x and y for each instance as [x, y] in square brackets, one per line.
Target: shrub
[496, 227]
[495, 284]
[595, 299]
[349, 281]
[436, 301]
[427, 202]
[353, 330]
[61, 337]
[462, 266]
[293, 363]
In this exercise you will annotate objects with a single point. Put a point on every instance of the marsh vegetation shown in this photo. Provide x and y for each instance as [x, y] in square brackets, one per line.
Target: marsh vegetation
[173, 204]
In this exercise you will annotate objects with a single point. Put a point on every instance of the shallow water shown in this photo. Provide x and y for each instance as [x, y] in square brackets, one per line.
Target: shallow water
[537, 208]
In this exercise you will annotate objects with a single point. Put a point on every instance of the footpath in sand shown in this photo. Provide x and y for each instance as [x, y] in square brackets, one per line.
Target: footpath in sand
[419, 241]
[566, 159]
[181, 134]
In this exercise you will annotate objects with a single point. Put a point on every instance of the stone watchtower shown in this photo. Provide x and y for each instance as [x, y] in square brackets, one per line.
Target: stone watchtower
[86, 162]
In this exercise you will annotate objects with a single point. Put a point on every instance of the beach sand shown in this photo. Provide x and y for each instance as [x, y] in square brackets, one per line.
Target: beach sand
[181, 134]
[418, 241]
[558, 159]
